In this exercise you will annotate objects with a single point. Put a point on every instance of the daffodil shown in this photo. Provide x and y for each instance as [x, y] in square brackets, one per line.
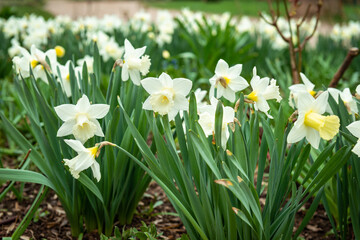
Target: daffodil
[167, 96]
[84, 159]
[64, 77]
[307, 86]
[37, 61]
[346, 97]
[134, 63]
[207, 120]
[81, 119]
[311, 122]
[60, 51]
[262, 92]
[354, 128]
[227, 81]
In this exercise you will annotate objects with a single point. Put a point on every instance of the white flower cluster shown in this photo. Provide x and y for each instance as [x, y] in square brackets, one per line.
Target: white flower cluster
[34, 30]
[312, 123]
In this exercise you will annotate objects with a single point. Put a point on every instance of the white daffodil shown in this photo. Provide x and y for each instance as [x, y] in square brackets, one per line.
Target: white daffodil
[262, 92]
[134, 63]
[81, 119]
[346, 97]
[227, 81]
[311, 123]
[84, 159]
[37, 61]
[307, 86]
[207, 120]
[64, 77]
[358, 90]
[167, 96]
[354, 128]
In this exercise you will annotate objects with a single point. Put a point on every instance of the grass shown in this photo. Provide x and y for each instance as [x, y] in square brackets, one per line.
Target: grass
[241, 7]
[236, 7]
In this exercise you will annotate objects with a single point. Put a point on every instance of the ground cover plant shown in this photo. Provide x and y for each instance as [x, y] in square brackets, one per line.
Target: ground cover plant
[105, 106]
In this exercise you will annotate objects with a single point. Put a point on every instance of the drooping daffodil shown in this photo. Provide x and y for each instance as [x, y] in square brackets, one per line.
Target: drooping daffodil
[295, 89]
[354, 128]
[311, 123]
[167, 96]
[84, 159]
[134, 63]
[227, 81]
[207, 120]
[81, 119]
[262, 92]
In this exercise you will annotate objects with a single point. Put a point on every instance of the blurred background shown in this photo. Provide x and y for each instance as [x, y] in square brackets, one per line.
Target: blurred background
[333, 11]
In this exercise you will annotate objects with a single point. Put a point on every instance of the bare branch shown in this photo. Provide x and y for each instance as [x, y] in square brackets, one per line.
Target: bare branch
[319, 5]
[305, 15]
[353, 52]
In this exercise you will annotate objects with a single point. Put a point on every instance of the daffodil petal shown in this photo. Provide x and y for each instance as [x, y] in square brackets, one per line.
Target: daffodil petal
[76, 145]
[151, 85]
[235, 71]
[182, 86]
[354, 128]
[296, 134]
[125, 73]
[147, 104]
[135, 76]
[66, 128]
[320, 103]
[221, 67]
[98, 110]
[95, 168]
[166, 80]
[83, 104]
[65, 112]
[313, 137]
[98, 130]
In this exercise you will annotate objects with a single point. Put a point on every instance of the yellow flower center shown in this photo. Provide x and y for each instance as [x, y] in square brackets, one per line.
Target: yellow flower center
[34, 63]
[93, 151]
[60, 51]
[68, 77]
[164, 100]
[313, 93]
[252, 96]
[327, 126]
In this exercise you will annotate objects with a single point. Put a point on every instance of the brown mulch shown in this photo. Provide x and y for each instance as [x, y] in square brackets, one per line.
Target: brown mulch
[51, 222]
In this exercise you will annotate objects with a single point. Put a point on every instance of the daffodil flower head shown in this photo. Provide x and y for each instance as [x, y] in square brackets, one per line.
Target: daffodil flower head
[60, 51]
[311, 122]
[81, 119]
[134, 63]
[346, 97]
[167, 96]
[307, 86]
[354, 128]
[207, 120]
[263, 91]
[227, 81]
[64, 77]
[36, 59]
[84, 159]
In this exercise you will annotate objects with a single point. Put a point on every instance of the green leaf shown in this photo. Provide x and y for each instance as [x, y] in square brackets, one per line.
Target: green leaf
[24, 176]
[85, 180]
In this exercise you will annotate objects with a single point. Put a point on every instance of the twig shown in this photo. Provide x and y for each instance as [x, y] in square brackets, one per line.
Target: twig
[319, 6]
[353, 52]
[8, 220]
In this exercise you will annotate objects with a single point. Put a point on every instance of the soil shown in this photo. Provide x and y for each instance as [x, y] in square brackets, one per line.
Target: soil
[51, 222]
